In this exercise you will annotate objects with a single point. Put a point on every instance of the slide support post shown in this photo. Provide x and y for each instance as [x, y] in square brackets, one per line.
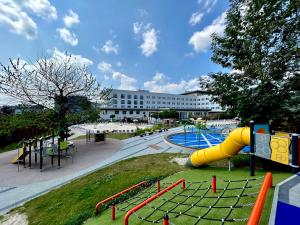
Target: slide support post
[252, 157]
[295, 165]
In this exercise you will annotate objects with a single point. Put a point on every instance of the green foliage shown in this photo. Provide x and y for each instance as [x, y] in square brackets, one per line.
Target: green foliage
[166, 114]
[260, 46]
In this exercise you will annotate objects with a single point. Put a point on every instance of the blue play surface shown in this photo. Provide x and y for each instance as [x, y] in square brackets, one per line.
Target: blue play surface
[198, 141]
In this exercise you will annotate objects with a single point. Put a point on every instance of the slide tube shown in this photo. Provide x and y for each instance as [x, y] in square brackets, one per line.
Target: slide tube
[235, 141]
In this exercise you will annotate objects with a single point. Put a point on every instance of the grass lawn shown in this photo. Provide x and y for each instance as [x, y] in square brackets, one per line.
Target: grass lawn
[119, 136]
[9, 147]
[74, 203]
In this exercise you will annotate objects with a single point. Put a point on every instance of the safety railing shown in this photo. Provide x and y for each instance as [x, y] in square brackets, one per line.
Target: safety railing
[136, 208]
[260, 201]
[99, 204]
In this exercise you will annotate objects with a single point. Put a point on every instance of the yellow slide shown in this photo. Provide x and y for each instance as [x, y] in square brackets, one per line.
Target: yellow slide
[235, 141]
[19, 156]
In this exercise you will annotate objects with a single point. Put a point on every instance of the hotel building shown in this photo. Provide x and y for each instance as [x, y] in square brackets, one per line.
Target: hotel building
[142, 104]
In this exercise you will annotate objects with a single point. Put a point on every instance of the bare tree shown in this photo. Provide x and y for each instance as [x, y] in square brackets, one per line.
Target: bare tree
[49, 82]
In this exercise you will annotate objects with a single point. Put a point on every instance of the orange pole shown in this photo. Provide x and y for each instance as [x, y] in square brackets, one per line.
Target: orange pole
[143, 183]
[259, 204]
[136, 208]
[166, 220]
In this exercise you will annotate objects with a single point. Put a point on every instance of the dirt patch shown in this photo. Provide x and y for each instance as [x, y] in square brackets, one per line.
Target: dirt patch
[14, 219]
[180, 161]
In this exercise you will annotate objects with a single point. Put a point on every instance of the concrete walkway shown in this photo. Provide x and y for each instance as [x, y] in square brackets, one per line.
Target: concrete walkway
[12, 196]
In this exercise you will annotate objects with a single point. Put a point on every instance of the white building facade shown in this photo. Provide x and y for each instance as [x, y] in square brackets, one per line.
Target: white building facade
[140, 105]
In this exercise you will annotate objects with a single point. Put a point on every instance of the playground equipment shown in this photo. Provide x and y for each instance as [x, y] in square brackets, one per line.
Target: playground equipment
[281, 147]
[42, 147]
[195, 201]
[235, 141]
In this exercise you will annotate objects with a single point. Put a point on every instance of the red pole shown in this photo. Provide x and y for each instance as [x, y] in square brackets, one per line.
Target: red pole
[158, 186]
[113, 212]
[166, 220]
[183, 185]
[214, 184]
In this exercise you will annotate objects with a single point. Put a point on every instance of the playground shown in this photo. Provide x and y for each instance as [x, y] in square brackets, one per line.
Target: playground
[206, 191]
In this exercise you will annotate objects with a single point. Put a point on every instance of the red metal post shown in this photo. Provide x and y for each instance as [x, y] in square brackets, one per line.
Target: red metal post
[214, 184]
[158, 186]
[143, 183]
[136, 208]
[166, 220]
[113, 212]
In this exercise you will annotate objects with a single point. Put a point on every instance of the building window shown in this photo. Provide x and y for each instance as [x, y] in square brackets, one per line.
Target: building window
[115, 101]
[128, 106]
[141, 103]
[135, 97]
[135, 102]
[142, 107]
[115, 95]
[117, 112]
[122, 96]
[159, 97]
[153, 102]
[122, 101]
[137, 112]
[129, 96]
[141, 97]
[128, 101]
[135, 106]
[131, 112]
[153, 97]
[124, 112]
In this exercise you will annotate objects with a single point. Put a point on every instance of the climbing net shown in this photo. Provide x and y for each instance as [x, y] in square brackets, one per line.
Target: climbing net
[197, 204]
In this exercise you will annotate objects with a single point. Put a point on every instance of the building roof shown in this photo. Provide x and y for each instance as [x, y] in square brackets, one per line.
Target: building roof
[195, 92]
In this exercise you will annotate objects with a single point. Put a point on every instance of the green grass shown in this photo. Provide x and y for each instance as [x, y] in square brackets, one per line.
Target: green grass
[9, 147]
[119, 136]
[198, 175]
[75, 202]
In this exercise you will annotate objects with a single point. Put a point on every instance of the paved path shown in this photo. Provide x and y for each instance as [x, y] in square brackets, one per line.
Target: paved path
[10, 197]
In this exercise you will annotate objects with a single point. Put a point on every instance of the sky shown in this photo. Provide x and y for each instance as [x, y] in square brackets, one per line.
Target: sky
[160, 46]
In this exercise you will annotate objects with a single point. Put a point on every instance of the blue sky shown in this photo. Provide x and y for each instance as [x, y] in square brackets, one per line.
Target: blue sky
[161, 46]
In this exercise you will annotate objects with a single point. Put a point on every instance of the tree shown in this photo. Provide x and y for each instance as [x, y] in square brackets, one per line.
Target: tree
[260, 48]
[50, 83]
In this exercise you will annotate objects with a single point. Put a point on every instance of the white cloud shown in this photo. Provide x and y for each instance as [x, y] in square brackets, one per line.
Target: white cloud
[126, 82]
[17, 20]
[71, 19]
[104, 67]
[109, 47]
[80, 60]
[201, 40]
[196, 18]
[41, 8]
[142, 12]
[67, 36]
[119, 64]
[149, 36]
[106, 77]
[207, 5]
[159, 84]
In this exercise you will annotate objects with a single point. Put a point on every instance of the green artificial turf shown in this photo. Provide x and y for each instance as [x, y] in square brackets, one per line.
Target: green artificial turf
[192, 175]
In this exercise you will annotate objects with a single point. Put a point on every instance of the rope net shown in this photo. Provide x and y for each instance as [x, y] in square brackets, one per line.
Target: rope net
[197, 204]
